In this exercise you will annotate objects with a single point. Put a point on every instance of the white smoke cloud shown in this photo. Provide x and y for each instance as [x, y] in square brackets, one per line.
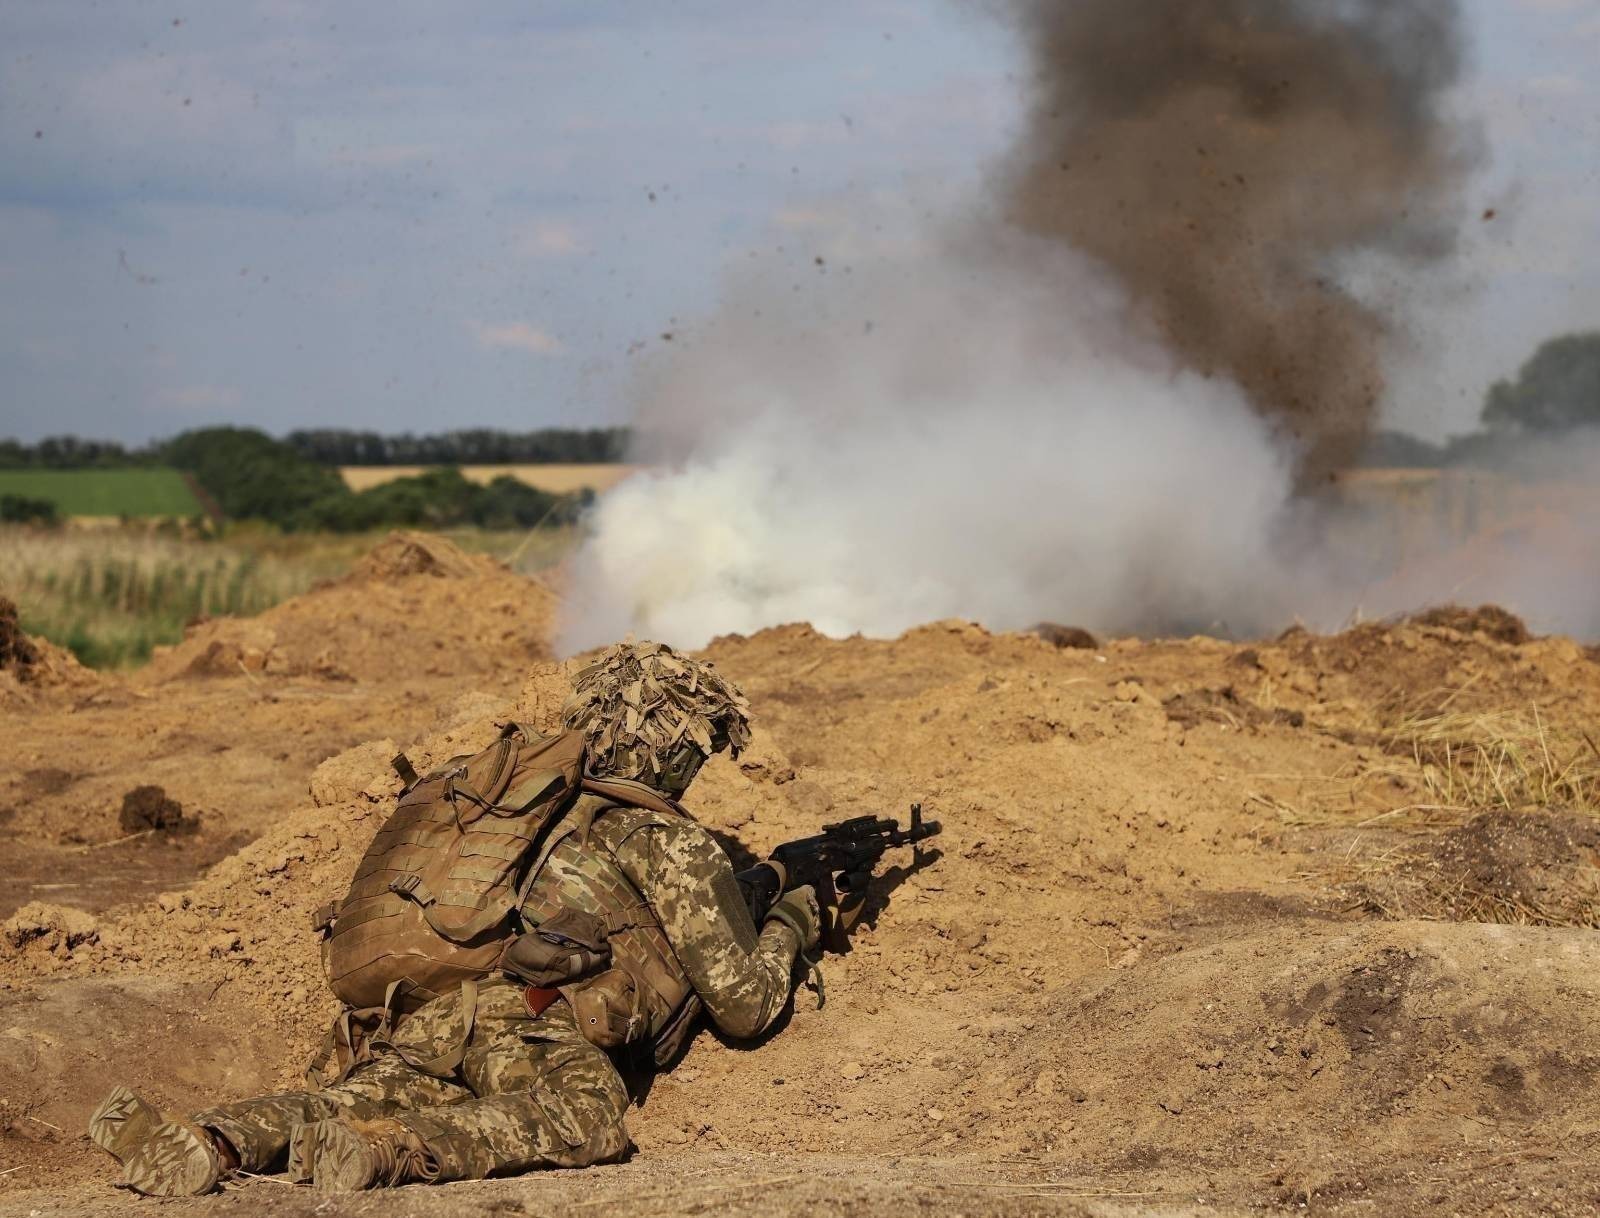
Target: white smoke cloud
[951, 427]
[940, 435]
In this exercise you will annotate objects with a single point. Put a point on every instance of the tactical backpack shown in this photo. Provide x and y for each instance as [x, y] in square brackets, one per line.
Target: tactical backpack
[432, 904]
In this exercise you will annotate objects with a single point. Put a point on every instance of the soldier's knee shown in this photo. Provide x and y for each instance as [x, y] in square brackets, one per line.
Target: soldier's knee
[609, 1144]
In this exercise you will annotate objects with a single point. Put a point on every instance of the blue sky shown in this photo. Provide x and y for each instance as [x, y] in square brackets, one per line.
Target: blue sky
[417, 216]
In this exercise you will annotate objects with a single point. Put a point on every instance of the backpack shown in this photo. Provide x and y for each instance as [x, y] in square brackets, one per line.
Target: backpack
[434, 900]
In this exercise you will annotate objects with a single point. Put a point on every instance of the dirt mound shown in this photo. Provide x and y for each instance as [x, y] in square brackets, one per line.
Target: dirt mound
[235, 753]
[1491, 621]
[28, 665]
[1425, 667]
[1523, 868]
[61, 1044]
[414, 604]
[1121, 964]
[17, 652]
[1225, 705]
[1301, 1046]
[403, 553]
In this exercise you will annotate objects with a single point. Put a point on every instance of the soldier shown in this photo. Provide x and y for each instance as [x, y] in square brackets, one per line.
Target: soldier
[501, 1077]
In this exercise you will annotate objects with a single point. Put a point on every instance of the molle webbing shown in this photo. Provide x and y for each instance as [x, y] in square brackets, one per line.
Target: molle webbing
[586, 876]
[433, 898]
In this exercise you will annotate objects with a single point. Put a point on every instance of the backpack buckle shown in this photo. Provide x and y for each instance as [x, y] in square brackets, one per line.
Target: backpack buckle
[405, 885]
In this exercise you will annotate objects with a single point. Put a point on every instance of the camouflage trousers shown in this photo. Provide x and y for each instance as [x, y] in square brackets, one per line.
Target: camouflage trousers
[530, 1092]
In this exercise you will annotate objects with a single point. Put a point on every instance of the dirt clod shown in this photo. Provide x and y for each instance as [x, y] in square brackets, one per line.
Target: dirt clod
[150, 808]
[1066, 636]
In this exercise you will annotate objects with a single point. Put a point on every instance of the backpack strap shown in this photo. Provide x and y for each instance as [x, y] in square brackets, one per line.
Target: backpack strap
[444, 1064]
[412, 887]
[577, 820]
[632, 794]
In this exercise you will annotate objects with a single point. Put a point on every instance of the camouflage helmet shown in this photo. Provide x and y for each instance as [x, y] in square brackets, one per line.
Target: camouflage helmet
[640, 705]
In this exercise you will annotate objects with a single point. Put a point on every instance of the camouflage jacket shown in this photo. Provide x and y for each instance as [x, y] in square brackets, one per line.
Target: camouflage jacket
[701, 944]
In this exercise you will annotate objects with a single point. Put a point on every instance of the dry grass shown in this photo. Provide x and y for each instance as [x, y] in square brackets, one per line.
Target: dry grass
[111, 595]
[1500, 828]
[555, 479]
[1469, 762]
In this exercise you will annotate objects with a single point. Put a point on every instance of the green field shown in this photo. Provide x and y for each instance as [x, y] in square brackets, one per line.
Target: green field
[104, 492]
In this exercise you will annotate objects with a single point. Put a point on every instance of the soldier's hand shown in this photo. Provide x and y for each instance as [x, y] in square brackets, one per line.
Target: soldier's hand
[797, 909]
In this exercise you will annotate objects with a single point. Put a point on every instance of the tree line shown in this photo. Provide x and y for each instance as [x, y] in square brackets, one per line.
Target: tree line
[332, 446]
[249, 475]
[1555, 394]
[472, 446]
[252, 476]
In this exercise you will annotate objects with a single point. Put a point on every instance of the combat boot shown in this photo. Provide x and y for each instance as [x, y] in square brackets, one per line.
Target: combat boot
[160, 1158]
[122, 1122]
[347, 1156]
[176, 1160]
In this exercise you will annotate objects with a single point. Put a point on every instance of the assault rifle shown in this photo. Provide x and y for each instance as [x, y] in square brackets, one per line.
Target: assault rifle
[838, 863]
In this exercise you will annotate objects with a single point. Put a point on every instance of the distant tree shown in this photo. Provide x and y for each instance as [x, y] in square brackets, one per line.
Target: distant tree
[508, 503]
[69, 452]
[1556, 390]
[435, 499]
[251, 475]
[294, 484]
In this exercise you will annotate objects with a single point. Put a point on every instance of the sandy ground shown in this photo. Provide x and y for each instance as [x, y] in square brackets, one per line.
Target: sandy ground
[1194, 940]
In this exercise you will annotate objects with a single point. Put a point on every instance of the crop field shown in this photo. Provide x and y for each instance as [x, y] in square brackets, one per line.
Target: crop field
[554, 479]
[111, 596]
[104, 492]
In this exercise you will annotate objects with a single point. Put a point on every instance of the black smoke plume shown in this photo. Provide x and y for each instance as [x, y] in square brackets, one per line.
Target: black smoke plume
[1235, 161]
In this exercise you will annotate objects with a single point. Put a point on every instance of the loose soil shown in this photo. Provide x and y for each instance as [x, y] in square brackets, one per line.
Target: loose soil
[1173, 953]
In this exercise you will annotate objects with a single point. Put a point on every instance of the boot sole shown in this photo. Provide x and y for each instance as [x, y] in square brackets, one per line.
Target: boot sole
[341, 1160]
[174, 1161]
[302, 1153]
[122, 1122]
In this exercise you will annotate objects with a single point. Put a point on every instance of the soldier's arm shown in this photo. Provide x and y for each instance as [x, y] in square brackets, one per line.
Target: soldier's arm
[743, 977]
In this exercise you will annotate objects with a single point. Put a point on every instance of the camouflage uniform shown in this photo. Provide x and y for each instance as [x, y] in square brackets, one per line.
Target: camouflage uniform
[531, 1090]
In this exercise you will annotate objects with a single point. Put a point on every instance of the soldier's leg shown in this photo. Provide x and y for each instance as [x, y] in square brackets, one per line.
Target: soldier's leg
[259, 1129]
[546, 1098]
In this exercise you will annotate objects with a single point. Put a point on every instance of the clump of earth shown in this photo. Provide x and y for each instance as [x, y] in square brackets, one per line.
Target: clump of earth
[150, 809]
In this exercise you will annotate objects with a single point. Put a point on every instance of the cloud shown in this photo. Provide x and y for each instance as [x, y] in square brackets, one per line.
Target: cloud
[518, 336]
[549, 239]
[803, 218]
[201, 397]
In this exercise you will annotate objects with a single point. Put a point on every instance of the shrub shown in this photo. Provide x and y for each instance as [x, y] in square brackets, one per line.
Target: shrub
[20, 509]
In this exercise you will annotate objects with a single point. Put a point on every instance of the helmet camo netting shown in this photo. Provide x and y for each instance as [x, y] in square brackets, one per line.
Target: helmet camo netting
[636, 703]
